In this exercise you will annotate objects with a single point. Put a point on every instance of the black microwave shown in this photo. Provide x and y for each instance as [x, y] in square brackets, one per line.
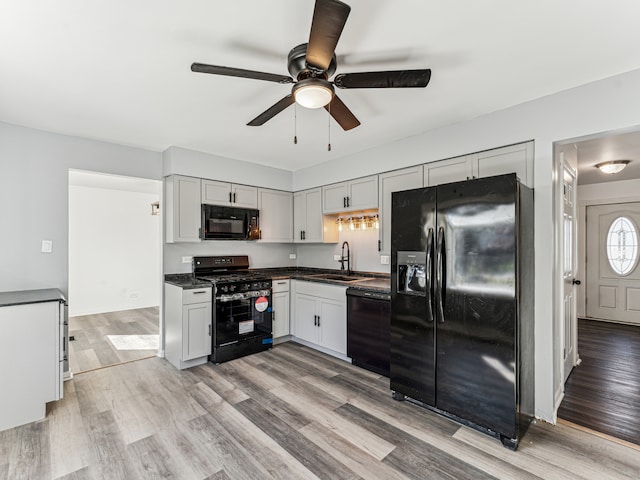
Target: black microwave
[229, 223]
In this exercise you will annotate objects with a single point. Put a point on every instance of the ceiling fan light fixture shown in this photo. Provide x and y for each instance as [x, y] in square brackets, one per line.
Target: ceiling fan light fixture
[313, 93]
[612, 166]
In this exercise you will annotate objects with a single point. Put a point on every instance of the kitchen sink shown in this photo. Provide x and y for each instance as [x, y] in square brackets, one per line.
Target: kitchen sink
[339, 278]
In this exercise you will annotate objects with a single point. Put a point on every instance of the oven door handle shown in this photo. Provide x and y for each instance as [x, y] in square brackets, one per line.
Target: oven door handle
[243, 296]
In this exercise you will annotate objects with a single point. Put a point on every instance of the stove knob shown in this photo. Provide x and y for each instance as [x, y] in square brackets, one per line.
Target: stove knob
[265, 293]
[232, 288]
[238, 296]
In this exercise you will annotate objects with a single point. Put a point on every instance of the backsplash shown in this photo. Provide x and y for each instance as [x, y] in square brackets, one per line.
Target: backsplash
[261, 255]
[363, 245]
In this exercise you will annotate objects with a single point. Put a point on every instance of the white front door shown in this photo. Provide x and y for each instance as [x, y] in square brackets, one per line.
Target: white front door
[613, 276]
[570, 321]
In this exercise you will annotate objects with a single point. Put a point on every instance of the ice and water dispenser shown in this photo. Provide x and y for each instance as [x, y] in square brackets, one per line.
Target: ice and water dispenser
[412, 273]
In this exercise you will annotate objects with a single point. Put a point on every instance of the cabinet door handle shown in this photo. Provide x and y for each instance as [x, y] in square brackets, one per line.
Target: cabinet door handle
[273, 316]
[229, 197]
[234, 197]
[318, 320]
[344, 202]
[379, 245]
[201, 291]
[348, 202]
[281, 283]
[304, 234]
[209, 329]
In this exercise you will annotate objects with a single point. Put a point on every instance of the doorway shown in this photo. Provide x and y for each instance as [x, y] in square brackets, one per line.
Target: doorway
[596, 393]
[114, 269]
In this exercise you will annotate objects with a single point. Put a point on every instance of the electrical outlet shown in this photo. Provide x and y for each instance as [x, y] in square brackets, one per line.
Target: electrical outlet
[47, 246]
[187, 259]
[292, 256]
[384, 259]
[336, 258]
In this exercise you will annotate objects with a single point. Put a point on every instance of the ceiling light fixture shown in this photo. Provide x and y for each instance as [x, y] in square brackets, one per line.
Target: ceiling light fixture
[612, 166]
[313, 92]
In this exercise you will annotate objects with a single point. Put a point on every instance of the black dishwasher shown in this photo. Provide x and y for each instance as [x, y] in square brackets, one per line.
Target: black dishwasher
[368, 321]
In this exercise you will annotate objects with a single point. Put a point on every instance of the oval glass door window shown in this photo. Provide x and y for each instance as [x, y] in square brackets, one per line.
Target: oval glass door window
[622, 246]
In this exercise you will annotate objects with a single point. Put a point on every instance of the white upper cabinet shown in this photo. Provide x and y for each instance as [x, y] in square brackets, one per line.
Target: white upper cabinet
[396, 181]
[182, 218]
[447, 171]
[516, 159]
[358, 194]
[309, 225]
[229, 194]
[276, 215]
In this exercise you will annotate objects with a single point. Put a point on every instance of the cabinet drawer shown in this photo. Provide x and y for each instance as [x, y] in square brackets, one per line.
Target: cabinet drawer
[333, 292]
[280, 286]
[196, 295]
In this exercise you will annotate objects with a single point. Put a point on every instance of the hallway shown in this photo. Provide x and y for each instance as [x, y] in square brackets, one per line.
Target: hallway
[603, 392]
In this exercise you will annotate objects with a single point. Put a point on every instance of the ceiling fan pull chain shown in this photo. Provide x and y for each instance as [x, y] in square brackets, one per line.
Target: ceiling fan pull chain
[295, 124]
[329, 127]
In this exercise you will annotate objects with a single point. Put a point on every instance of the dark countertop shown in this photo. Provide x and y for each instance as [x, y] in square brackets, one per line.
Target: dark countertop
[185, 281]
[371, 281]
[24, 297]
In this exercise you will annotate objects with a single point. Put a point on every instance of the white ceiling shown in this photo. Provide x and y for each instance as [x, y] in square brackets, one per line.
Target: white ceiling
[119, 71]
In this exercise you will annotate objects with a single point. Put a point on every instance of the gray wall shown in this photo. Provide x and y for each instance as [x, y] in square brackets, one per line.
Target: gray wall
[605, 105]
[34, 168]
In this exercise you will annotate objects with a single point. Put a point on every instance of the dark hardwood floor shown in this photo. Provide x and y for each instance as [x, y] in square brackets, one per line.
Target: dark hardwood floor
[91, 347]
[288, 413]
[603, 392]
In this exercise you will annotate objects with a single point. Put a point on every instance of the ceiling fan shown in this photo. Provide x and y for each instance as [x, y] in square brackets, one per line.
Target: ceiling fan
[313, 63]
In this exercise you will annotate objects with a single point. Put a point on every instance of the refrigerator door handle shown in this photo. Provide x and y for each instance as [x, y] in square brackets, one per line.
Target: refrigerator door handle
[429, 275]
[440, 275]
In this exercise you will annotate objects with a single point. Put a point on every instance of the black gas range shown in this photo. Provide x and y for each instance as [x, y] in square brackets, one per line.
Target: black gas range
[242, 306]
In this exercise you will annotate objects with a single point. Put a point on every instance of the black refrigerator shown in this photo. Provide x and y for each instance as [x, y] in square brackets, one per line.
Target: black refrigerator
[462, 332]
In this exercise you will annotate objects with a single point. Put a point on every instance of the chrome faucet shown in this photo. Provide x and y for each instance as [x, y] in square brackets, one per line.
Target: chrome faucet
[347, 258]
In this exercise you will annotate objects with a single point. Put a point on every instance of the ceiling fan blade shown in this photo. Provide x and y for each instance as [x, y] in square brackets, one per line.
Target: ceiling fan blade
[272, 111]
[239, 72]
[342, 114]
[390, 79]
[329, 17]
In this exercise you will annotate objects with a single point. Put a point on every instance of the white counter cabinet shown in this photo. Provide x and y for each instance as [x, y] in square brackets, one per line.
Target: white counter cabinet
[31, 354]
[320, 316]
[280, 316]
[188, 317]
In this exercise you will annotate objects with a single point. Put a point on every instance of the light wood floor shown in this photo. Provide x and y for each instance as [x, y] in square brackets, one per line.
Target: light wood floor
[289, 413]
[92, 349]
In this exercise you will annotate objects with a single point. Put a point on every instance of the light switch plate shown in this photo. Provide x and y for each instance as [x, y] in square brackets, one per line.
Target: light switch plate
[336, 258]
[186, 259]
[292, 256]
[47, 246]
[384, 259]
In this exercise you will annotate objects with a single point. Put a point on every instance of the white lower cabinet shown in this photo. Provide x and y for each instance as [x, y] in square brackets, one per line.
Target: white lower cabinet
[31, 351]
[280, 305]
[320, 316]
[188, 318]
